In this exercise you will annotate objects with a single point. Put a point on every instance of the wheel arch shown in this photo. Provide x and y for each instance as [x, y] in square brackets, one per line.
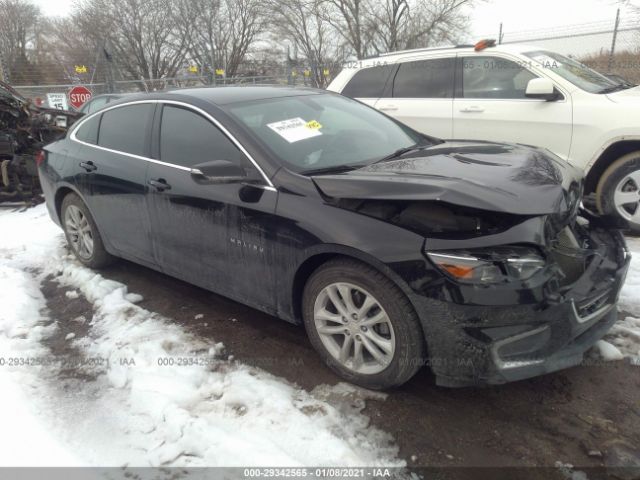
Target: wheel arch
[609, 155]
[320, 255]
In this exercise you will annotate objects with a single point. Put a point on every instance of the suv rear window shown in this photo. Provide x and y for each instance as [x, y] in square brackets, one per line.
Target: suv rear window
[125, 128]
[368, 82]
[425, 79]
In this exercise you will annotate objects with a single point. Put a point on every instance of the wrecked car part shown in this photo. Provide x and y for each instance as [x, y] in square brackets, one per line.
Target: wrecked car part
[24, 130]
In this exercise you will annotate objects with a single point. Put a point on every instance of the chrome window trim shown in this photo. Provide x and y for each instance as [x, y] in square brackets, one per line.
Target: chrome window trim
[73, 137]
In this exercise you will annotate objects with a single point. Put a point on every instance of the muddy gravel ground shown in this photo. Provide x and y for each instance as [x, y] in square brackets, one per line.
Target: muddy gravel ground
[587, 416]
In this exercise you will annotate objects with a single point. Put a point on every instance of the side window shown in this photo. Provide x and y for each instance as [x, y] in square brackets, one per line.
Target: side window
[125, 128]
[493, 77]
[425, 79]
[88, 131]
[368, 82]
[187, 138]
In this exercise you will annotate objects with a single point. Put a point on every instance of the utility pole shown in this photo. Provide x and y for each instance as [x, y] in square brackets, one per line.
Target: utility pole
[613, 41]
[500, 35]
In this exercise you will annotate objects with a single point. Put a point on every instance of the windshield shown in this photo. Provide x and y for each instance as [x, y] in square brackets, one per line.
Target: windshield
[318, 132]
[573, 71]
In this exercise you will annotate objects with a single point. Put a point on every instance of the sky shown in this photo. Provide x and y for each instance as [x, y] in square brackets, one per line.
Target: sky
[524, 15]
[516, 15]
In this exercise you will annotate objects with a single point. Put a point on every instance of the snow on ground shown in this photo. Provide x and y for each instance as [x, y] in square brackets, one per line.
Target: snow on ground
[149, 393]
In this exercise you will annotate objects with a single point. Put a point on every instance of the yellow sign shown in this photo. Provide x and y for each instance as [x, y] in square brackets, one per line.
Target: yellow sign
[307, 73]
[81, 69]
[326, 72]
[313, 124]
[219, 71]
[294, 73]
[193, 69]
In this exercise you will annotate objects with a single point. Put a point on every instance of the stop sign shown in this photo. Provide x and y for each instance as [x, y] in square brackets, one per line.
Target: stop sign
[79, 95]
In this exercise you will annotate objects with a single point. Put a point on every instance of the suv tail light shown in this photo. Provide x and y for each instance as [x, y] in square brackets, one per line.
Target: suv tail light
[41, 156]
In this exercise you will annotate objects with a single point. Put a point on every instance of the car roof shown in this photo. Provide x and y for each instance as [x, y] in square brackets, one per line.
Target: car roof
[241, 93]
[220, 96]
[513, 48]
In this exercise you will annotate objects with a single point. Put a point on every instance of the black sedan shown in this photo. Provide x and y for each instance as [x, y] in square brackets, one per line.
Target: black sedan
[394, 249]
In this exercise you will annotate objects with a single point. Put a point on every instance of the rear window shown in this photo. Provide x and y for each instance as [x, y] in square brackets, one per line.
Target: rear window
[88, 131]
[125, 128]
[368, 83]
[425, 79]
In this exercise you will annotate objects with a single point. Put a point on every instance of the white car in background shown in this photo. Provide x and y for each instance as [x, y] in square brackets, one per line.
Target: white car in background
[516, 94]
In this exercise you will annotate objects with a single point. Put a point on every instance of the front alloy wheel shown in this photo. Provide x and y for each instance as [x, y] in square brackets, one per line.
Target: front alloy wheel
[362, 324]
[354, 328]
[626, 197]
[618, 191]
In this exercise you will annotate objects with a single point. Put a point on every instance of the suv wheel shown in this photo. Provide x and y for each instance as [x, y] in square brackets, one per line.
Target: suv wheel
[82, 233]
[618, 191]
[362, 325]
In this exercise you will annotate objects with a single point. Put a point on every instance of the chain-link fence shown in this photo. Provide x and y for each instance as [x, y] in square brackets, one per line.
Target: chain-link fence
[608, 46]
[47, 95]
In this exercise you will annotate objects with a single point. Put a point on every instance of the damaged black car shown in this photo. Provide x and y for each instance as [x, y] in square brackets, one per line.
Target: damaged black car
[395, 250]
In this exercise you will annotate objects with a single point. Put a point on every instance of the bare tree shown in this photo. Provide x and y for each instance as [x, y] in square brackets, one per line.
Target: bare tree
[305, 23]
[223, 31]
[369, 27]
[354, 21]
[146, 37]
[18, 29]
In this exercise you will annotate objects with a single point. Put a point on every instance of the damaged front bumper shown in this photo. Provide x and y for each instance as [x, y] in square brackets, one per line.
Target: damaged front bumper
[502, 333]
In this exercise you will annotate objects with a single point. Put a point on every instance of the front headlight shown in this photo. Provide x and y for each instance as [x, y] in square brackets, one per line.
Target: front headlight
[489, 265]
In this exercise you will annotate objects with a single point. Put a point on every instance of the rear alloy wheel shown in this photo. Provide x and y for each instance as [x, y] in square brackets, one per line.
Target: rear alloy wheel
[82, 233]
[362, 325]
[619, 190]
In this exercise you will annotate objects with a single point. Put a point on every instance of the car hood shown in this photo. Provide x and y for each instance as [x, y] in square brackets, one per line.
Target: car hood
[630, 95]
[506, 178]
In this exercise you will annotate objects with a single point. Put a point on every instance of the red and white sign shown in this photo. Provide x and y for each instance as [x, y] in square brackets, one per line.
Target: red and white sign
[79, 95]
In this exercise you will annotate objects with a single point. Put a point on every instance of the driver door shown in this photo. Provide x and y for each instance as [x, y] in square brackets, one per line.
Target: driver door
[215, 235]
[491, 105]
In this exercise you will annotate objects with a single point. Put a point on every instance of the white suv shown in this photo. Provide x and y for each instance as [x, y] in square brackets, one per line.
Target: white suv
[517, 94]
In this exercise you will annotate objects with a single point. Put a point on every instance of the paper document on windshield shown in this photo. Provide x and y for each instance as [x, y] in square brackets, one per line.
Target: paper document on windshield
[295, 129]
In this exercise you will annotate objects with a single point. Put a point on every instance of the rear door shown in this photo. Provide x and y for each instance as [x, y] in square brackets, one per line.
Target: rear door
[491, 105]
[210, 234]
[422, 96]
[113, 160]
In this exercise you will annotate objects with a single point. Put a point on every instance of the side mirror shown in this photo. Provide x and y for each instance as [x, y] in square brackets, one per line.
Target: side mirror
[542, 89]
[219, 171]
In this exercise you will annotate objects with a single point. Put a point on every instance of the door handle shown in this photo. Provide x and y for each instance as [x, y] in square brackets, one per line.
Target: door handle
[88, 166]
[388, 108]
[160, 184]
[472, 110]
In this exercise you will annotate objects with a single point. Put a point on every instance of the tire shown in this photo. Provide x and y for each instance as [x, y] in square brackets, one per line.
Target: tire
[621, 182]
[400, 334]
[73, 213]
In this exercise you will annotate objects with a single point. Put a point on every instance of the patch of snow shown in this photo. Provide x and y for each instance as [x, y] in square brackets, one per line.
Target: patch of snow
[608, 351]
[199, 316]
[72, 294]
[158, 395]
[624, 336]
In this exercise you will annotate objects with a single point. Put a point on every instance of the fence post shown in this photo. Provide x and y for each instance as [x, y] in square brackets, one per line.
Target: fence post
[613, 41]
